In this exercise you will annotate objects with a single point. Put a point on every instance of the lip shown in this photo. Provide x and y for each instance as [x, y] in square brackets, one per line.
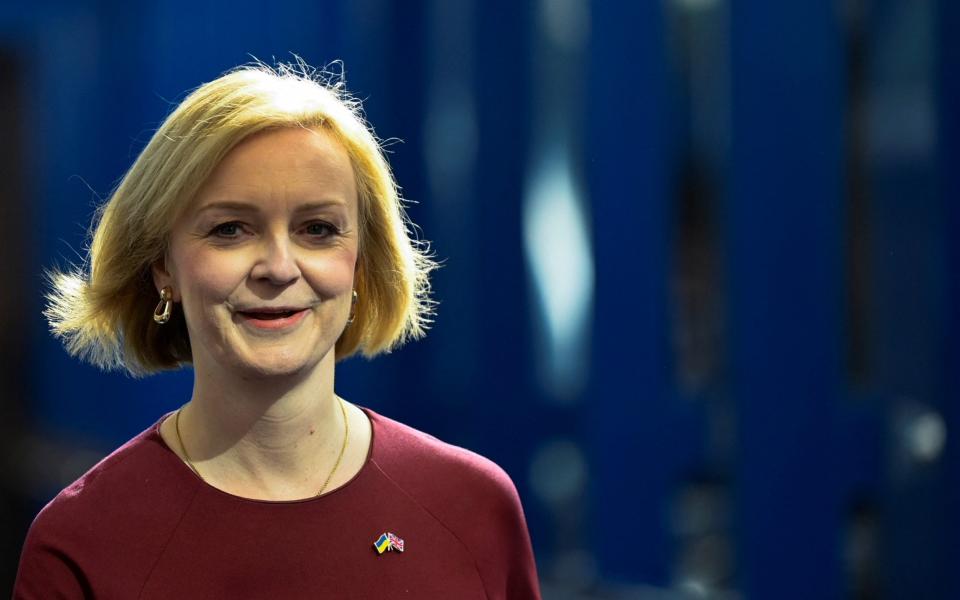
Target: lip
[250, 318]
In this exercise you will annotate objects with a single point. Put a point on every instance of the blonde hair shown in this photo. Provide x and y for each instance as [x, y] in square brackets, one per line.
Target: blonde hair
[103, 311]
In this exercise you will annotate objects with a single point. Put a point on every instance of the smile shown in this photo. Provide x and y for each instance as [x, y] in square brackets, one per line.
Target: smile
[271, 319]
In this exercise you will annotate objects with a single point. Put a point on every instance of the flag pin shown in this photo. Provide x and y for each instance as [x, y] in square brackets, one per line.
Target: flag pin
[388, 542]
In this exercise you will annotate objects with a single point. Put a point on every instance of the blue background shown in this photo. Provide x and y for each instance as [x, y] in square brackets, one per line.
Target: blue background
[699, 288]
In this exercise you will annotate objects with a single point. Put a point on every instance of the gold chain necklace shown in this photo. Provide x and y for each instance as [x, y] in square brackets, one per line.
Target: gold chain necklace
[343, 447]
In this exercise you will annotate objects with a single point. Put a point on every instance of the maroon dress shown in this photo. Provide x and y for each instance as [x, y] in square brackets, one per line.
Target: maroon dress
[141, 524]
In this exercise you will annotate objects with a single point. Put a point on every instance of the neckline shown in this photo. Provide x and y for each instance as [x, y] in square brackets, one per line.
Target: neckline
[203, 485]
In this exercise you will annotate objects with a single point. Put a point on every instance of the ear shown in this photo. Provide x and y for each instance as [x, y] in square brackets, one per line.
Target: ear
[163, 278]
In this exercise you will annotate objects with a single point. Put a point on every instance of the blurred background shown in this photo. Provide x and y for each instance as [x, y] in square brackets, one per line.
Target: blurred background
[699, 294]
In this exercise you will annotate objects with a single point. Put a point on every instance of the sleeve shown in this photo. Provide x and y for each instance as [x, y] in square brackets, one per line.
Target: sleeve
[46, 571]
[492, 522]
[516, 569]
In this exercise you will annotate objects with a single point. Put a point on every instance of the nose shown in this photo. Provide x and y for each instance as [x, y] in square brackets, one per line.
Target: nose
[276, 262]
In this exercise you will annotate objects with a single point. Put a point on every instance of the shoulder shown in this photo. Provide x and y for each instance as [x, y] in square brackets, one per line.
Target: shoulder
[124, 501]
[424, 465]
[137, 470]
[469, 495]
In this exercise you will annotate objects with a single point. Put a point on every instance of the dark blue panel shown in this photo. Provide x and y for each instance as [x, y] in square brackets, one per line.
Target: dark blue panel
[948, 52]
[633, 446]
[908, 295]
[504, 398]
[785, 255]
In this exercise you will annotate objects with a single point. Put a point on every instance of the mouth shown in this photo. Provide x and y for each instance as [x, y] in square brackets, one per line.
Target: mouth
[265, 315]
[271, 318]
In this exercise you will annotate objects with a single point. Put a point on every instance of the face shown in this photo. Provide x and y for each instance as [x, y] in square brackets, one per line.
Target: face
[263, 261]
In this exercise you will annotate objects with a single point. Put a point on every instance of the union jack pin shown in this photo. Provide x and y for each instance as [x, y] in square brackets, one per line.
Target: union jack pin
[388, 542]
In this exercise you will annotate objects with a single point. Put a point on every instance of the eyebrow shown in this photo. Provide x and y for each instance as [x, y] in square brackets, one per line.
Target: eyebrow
[253, 207]
[225, 205]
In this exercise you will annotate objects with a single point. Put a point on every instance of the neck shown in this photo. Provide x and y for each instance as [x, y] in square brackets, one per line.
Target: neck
[272, 434]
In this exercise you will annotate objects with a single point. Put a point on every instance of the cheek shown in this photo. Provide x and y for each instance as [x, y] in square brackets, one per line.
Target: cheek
[209, 275]
[334, 274]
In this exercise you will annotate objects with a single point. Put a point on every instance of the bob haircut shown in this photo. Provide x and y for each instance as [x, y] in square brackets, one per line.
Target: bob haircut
[103, 311]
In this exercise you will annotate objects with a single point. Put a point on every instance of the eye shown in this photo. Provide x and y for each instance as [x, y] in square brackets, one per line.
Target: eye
[228, 230]
[320, 229]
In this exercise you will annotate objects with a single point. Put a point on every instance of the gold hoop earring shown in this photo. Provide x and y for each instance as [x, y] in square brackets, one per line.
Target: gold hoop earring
[161, 314]
[353, 308]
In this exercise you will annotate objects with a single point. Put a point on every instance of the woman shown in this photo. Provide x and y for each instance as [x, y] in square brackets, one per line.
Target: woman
[260, 238]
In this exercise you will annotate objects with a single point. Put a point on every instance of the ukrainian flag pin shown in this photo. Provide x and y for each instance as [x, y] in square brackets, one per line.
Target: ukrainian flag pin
[388, 542]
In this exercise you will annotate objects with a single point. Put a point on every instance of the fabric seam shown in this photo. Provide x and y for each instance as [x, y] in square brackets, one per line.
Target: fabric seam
[166, 544]
[438, 520]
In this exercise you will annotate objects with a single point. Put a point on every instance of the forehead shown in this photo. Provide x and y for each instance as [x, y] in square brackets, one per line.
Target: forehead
[295, 162]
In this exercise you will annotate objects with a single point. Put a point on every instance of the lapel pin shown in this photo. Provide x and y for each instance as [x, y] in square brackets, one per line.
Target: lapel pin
[388, 542]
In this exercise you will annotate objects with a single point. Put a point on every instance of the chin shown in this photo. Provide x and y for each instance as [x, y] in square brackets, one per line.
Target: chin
[265, 367]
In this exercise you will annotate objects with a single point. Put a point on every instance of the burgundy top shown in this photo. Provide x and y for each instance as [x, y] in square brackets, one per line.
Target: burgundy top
[141, 524]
